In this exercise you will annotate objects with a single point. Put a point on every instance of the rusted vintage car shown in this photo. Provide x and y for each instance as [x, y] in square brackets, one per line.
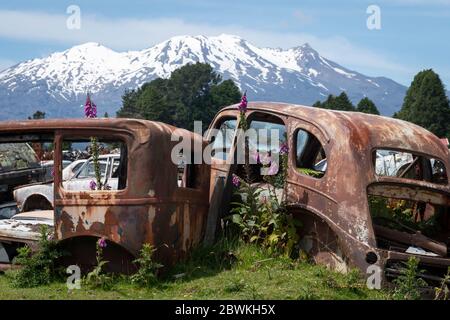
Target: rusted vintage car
[153, 203]
[369, 190]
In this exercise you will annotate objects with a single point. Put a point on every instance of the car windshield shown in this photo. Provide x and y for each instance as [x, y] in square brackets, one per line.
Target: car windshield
[88, 170]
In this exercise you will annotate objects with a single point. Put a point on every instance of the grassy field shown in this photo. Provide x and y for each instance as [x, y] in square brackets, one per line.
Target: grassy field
[225, 271]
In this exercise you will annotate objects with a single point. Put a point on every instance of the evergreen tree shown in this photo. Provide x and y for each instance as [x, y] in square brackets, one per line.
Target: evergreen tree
[129, 108]
[225, 93]
[367, 106]
[342, 102]
[193, 92]
[426, 104]
[152, 102]
[329, 103]
[37, 115]
[317, 104]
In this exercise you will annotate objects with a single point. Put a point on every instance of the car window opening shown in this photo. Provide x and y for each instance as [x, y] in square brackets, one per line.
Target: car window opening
[112, 164]
[310, 158]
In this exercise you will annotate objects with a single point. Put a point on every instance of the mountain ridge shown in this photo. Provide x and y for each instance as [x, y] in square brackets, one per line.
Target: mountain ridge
[57, 84]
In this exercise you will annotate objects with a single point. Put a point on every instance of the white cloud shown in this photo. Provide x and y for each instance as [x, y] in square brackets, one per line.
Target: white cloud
[127, 34]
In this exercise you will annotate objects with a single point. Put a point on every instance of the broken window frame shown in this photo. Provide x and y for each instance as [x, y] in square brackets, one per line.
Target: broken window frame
[310, 133]
[419, 158]
[252, 117]
[213, 138]
[69, 135]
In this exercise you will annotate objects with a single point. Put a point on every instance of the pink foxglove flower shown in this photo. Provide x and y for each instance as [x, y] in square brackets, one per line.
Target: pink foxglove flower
[102, 242]
[236, 181]
[90, 109]
[92, 185]
[284, 149]
[243, 105]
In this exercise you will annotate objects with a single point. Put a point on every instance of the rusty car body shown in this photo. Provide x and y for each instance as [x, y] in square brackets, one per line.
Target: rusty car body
[150, 205]
[338, 227]
[346, 151]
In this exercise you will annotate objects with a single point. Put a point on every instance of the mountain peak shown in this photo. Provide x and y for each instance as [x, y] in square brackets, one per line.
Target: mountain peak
[298, 75]
[88, 46]
[307, 46]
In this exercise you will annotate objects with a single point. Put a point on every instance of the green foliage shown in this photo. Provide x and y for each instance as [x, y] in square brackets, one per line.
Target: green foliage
[367, 106]
[263, 220]
[426, 104]
[246, 213]
[341, 102]
[229, 269]
[38, 268]
[129, 107]
[193, 92]
[408, 284]
[225, 93]
[98, 278]
[96, 163]
[310, 172]
[37, 115]
[146, 274]
[398, 214]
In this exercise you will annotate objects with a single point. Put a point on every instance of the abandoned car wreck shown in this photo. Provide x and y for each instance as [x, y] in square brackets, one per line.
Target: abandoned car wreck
[368, 190]
[150, 203]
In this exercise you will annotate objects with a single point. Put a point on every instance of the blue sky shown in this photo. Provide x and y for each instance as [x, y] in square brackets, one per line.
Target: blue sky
[414, 34]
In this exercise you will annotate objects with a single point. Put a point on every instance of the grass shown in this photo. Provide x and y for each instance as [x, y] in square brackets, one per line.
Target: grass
[229, 270]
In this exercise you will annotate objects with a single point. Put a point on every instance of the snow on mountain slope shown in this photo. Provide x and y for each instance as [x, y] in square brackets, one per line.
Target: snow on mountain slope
[58, 83]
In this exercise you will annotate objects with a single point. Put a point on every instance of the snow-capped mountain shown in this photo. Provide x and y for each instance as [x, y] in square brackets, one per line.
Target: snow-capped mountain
[58, 83]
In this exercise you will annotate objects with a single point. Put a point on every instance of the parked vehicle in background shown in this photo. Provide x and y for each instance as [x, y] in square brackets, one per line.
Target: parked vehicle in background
[72, 168]
[40, 196]
[22, 229]
[48, 166]
[19, 165]
[109, 164]
[8, 209]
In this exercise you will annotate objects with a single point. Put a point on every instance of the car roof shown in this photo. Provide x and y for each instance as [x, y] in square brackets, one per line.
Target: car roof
[361, 129]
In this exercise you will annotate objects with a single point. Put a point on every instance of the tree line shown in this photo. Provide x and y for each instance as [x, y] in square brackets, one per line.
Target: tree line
[193, 92]
[342, 102]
